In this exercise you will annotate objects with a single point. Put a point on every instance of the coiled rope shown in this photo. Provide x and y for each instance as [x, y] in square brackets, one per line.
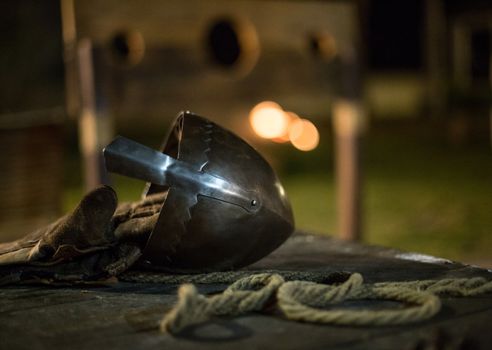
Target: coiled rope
[301, 299]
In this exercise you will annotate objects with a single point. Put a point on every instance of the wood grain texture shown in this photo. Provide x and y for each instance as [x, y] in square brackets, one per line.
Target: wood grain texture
[126, 315]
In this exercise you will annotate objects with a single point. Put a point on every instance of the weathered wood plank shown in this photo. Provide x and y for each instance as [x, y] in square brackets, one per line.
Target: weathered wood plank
[126, 315]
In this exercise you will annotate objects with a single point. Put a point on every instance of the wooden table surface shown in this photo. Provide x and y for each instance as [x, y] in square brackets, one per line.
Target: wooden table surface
[126, 315]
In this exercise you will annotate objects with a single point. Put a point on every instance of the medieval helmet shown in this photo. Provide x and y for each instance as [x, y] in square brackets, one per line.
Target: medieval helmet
[225, 207]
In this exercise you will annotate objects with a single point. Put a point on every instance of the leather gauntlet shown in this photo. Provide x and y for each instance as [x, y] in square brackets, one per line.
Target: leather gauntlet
[99, 239]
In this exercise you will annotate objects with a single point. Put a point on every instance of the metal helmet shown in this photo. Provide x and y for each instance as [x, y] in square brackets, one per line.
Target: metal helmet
[225, 207]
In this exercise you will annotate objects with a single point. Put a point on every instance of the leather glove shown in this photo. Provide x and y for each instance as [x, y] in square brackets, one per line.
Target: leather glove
[96, 241]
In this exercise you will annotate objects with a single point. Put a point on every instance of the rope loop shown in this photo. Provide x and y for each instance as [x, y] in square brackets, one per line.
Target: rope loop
[241, 297]
[294, 301]
[319, 303]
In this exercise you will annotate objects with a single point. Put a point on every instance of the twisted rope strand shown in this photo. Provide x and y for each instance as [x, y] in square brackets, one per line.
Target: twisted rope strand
[224, 277]
[301, 299]
[239, 298]
[450, 286]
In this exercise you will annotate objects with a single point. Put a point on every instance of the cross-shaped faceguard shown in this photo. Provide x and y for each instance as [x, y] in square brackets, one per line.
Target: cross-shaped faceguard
[225, 207]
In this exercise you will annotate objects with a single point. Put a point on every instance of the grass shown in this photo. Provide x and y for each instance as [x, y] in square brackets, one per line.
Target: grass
[433, 202]
[419, 195]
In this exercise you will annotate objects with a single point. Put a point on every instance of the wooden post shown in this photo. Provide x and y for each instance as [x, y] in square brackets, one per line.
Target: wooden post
[461, 55]
[95, 131]
[490, 80]
[348, 119]
[348, 123]
[436, 55]
[69, 33]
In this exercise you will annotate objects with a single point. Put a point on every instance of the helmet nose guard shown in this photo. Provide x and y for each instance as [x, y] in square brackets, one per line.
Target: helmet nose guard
[225, 206]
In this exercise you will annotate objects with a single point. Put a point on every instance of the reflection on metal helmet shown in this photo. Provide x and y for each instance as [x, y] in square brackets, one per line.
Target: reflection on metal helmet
[225, 206]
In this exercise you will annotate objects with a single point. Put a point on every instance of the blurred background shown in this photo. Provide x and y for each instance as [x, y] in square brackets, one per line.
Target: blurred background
[376, 114]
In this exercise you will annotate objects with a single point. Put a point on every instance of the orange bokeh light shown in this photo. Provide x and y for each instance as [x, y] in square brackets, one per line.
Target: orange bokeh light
[303, 135]
[269, 121]
[291, 117]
